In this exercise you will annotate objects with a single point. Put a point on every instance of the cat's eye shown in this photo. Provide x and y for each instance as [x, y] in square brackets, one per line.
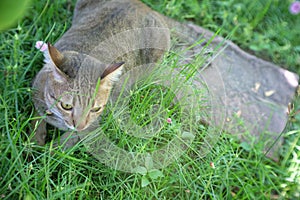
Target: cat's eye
[96, 109]
[66, 106]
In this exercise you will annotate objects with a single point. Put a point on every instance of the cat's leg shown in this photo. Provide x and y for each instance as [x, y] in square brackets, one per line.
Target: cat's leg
[67, 140]
[40, 131]
[71, 138]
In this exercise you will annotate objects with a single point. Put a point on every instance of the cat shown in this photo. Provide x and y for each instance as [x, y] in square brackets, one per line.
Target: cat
[110, 38]
[74, 85]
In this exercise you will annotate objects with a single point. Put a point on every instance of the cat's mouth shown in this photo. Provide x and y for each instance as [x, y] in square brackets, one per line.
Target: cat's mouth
[78, 125]
[74, 127]
[78, 129]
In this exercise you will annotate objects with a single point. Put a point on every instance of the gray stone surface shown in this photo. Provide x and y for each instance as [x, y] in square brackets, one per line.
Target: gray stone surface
[250, 96]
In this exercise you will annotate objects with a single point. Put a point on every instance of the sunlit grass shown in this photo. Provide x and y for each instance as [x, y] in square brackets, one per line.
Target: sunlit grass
[32, 172]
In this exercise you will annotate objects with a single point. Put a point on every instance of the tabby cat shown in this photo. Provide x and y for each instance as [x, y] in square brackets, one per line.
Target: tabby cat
[80, 70]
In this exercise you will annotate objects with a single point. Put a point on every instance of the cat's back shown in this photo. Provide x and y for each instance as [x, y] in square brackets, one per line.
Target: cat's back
[95, 21]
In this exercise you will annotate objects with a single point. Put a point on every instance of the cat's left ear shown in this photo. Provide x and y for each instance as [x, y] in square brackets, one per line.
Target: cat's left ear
[112, 72]
[56, 57]
[53, 56]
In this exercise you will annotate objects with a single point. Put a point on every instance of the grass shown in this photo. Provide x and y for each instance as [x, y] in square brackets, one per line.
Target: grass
[240, 172]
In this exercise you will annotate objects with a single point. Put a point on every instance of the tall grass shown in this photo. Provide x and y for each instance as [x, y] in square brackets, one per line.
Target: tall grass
[229, 169]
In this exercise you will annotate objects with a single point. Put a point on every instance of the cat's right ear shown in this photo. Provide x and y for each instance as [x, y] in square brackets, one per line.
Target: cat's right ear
[56, 59]
[113, 72]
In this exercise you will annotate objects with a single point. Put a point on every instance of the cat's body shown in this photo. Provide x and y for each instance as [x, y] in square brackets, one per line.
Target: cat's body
[73, 87]
[104, 34]
[96, 21]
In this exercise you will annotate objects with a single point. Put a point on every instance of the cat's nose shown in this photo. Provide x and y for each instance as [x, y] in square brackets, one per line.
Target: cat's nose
[79, 125]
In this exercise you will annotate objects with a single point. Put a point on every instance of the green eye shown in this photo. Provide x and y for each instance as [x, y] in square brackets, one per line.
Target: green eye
[66, 106]
[96, 109]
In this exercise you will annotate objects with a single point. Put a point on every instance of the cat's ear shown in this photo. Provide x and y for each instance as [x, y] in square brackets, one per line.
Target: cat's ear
[113, 72]
[56, 57]
[53, 56]
[110, 75]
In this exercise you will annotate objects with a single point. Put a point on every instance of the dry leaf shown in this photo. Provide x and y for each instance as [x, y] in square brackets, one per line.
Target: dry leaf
[290, 108]
[256, 87]
[238, 113]
[269, 93]
[48, 112]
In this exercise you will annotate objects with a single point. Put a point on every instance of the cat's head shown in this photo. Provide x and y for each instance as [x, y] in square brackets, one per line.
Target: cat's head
[77, 88]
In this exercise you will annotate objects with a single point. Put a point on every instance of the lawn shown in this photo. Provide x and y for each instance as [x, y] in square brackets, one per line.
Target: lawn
[229, 170]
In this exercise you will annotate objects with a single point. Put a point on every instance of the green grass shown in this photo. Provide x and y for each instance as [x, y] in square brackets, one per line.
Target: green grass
[241, 172]
[265, 28]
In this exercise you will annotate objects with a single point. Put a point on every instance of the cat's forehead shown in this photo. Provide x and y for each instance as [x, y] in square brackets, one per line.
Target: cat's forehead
[81, 65]
[76, 92]
[75, 59]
